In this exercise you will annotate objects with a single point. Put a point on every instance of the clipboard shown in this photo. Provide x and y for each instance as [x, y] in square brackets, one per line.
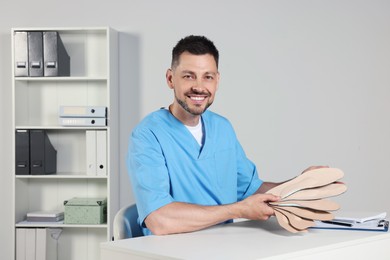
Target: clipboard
[376, 222]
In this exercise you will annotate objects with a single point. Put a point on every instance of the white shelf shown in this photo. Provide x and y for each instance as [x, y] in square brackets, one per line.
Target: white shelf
[60, 176]
[60, 79]
[57, 225]
[93, 81]
[53, 127]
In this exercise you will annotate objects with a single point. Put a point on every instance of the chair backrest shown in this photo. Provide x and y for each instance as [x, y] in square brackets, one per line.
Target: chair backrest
[125, 223]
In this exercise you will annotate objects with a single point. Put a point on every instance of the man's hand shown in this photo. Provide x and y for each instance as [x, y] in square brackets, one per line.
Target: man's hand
[256, 207]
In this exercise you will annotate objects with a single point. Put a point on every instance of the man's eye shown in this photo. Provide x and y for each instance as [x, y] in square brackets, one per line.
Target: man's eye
[187, 77]
[209, 77]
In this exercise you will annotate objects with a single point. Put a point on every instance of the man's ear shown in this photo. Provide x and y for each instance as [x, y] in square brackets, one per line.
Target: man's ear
[218, 78]
[169, 78]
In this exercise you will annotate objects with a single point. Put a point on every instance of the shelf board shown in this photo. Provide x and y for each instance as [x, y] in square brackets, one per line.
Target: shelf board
[58, 225]
[53, 127]
[60, 176]
[60, 78]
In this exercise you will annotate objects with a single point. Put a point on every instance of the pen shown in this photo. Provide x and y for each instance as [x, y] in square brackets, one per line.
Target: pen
[338, 223]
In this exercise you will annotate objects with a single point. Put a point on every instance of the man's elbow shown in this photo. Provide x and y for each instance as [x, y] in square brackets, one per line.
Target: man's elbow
[157, 226]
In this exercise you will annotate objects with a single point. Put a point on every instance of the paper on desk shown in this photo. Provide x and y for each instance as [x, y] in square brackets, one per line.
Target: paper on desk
[356, 217]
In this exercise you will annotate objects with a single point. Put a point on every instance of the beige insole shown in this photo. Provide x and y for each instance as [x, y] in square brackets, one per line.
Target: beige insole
[309, 179]
[326, 191]
[308, 213]
[296, 221]
[284, 222]
[320, 204]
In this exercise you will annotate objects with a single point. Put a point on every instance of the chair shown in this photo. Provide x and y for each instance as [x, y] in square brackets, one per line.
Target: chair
[125, 223]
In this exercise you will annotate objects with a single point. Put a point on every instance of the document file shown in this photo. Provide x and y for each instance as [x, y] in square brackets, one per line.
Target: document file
[56, 59]
[21, 54]
[101, 152]
[96, 147]
[34, 153]
[22, 150]
[40, 53]
[42, 153]
[83, 111]
[37, 243]
[81, 121]
[35, 54]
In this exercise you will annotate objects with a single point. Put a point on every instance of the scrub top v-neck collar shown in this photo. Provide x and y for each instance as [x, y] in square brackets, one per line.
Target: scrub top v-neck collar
[177, 127]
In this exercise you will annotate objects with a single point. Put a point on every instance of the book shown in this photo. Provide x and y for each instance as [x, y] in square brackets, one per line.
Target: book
[45, 216]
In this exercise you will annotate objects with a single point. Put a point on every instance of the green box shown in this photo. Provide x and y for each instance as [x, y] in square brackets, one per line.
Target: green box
[85, 211]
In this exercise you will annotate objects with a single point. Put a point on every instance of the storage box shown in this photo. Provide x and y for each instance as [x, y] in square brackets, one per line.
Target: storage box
[85, 211]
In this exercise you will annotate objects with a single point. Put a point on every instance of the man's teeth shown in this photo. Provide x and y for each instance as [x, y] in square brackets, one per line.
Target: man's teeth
[197, 98]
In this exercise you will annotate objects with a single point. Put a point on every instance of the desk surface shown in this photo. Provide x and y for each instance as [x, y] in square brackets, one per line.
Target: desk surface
[253, 240]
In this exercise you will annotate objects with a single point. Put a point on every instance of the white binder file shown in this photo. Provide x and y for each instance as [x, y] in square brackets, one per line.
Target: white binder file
[79, 121]
[46, 244]
[82, 111]
[91, 152]
[30, 244]
[21, 243]
[21, 54]
[101, 152]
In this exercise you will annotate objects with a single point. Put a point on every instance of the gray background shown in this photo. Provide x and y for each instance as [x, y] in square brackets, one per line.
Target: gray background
[304, 82]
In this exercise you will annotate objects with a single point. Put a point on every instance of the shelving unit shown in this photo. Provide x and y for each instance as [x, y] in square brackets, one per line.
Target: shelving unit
[36, 100]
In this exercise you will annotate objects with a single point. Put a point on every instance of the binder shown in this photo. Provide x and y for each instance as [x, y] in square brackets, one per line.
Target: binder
[21, 243]
[43, 156]
[30, 244]
[91, 152]
[21, 54]
[80, 121]
[46, 245]
[22, 152]
[56, 59]
[101, 152]
[35, 53]
[83, 111]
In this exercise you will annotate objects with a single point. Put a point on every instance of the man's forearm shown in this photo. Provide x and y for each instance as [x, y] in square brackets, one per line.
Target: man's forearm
[178, 217]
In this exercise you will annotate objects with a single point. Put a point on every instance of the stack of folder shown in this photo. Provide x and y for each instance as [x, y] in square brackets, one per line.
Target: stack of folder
[83, 116]
[40, 53]
[45, 216]
[303, 199]
[35, 154]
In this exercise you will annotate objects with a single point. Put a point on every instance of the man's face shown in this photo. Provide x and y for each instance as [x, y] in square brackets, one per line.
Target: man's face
[194, 81]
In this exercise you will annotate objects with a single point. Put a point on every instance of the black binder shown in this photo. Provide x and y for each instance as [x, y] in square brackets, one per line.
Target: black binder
[43, 156]
[56, 59]
[21, 54]
[35, 53]
[22, 152]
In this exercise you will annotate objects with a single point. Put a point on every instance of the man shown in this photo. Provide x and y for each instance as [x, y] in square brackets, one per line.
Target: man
[186, 166]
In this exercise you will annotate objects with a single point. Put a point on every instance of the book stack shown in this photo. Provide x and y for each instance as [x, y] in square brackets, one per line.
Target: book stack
[45, 216]
[39, 54]
[304, 199]
[83, 116]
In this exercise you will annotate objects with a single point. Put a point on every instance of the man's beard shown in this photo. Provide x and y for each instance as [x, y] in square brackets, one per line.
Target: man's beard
[197, 111]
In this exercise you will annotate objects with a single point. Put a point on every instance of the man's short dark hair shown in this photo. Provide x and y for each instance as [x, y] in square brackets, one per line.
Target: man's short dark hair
[197, 45]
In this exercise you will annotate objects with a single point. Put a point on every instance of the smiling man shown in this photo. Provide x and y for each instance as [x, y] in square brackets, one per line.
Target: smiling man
[187, 168]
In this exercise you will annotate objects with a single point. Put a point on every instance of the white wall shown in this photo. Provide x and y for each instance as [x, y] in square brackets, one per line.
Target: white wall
[305, 82]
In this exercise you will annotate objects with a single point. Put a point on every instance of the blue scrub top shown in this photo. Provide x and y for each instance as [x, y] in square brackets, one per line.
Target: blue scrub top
[166, 164]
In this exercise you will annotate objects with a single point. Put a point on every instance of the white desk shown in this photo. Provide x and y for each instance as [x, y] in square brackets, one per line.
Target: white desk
[253, 240]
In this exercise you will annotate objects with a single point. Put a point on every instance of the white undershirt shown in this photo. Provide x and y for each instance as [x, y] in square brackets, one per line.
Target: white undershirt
[197, 132]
